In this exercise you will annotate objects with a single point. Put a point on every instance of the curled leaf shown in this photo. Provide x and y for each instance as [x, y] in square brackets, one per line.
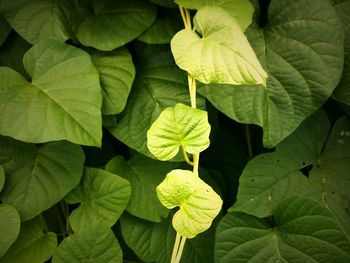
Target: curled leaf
[198, 202]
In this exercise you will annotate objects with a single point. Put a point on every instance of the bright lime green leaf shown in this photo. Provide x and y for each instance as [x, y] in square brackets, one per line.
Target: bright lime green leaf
[198, 202]
[144, 174]
[220, 53]
[242, 10]
[93, 244]
[38, 177]
[304, 66]
[302, 231]
[115, 23]
[270, 178]
[9, 227]
[2, 177]
[38, 19]
[159, 84]
[164, 28]
[32, 244]
[117, 74]
[181, 126]
[342, 92]
[63, 100]
[153, 242]
[5, 29]
[103, 197]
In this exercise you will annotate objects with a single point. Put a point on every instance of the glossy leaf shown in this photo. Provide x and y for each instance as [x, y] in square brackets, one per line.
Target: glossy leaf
[37, 177]
[5, 29]
[115, 23]
[342, 92]
[32, 244]
[178, 127]
[159, 84]
[300, 167]
[9, 227]
[117, 74]
[217, 51]
[198, 202]
[304, 66]
[38, 19]
[103, 197]
[145, 175]
[242, 10]
[2, 177]
[94, 243]
[302, 231]
[153, 242]
[62, 101]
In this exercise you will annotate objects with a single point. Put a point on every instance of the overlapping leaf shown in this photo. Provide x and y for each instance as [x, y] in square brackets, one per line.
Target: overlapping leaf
[301, 167]
[220, 53]
[304, 66]
[178, 127]
[198, 202]
[2, 177]
[38, 177]
[144, 174]
[62, 101]
[103, 197]
[32, 244]
[94, 243]
[9, 227]
[302, 231]
[159, 84]
[4, 29]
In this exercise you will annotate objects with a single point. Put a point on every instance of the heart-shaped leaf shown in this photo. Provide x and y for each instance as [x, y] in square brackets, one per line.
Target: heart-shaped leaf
[159, 84]
[117, 74]
[306, 164]
[93, 243]
[9, 227]
[144, 174]
[242, 10]
[115, 23]
[220, 53]
[304, 66]
[103, 197]
[32, 244]
[63, 100]
[181, 126]
[301, 230]
[198, 202]
[38, 177]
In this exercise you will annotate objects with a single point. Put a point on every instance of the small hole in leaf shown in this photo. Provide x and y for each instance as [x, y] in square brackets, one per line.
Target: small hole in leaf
[252, 180]
[305, 170]
[333, 192]
[278, 161]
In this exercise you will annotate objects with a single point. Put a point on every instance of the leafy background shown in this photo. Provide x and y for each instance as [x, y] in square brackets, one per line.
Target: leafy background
[81, 82]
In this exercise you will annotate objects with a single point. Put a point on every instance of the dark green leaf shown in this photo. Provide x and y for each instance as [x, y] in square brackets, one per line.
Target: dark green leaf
[2, 177]
[38, 177]
[9, 227]
[5, 29]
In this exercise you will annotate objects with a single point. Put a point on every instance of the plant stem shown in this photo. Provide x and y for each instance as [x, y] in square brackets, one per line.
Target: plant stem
[249, 141]
[185, 156]
[176, 248]
[181, 248]
[42, 219]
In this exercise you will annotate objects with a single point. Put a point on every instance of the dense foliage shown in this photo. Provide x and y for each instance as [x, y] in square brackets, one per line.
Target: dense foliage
[105, 106]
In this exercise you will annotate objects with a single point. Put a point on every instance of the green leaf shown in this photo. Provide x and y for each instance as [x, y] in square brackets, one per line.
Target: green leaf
[5, 29]
[242, 10]
[9, 227]
[117, 73]
[38, 19]
[178, 127]
[153, 242]
[304, 66]
[32, 244]
[198, 202]
[145, 175]
[165, 3]
[38, 177]
[2, 177]
[62, 101]
[115, 23]
[342, 92]
[217, 51]
[159, 84]
[302, 231]
[103, 197]
[164, 28]
[300, 167]
[94, 243]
